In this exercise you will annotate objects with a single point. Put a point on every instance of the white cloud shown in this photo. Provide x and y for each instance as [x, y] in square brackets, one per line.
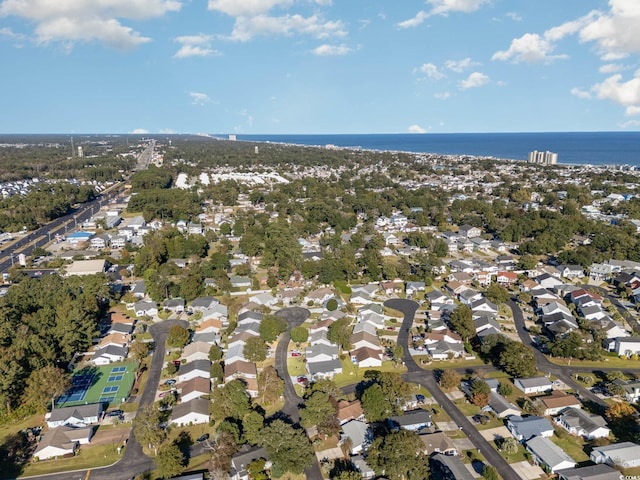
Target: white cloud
[476, 79]
[630, 124]
[420, 17]
[85, 21]
[417, 129]
[610, 68]
[246, 8]
[460, 66]
[245, 28]
[626, 94]
[198, 98]
[195, 46]
[580, 93]
[429, 70]
[327, 50]
[569, 28]
[139, 131]
[442, 7]
[514, 16]
[7, 32]
[442, 95]
[615, 32]
[530, 48]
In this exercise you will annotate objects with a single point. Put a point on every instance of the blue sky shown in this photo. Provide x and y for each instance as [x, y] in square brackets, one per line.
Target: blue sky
[319, 66]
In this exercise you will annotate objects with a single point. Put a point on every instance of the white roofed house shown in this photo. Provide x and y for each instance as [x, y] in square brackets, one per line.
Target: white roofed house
[358, 433]
[196, 368]
[469, 232]
[61, 441]
[623, 455]
[414, 287]
[321, 353]
[174, 305]
[547, 453]
[78, 416]
[588, 425]
[144, 307]
[196, 351]
[109, 354]
[193, 412]
[240, 282]
[264, 299]
[627, 346]
[525, 428]
[533, 384]
[201, 304]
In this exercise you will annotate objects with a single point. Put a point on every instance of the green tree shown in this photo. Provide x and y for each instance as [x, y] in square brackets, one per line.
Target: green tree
[449, 379]
[252, 425]
[505, 389]
[230, 401]
[397, 353]
[139, 350]
[146, 427]
[340, 333]
[169, 460]
[320, 410]
[215, 353]
[299, 334]
[43, 386]
[489, 472]
[178, 336]
[255, 349]
[271, 326]
[332, 305]
[399, 456]
[462, 322]
[518, 360]
[288, 448]
[479, 392]
[270, 386]
[509, 445]
[497, 294]
[374, 403]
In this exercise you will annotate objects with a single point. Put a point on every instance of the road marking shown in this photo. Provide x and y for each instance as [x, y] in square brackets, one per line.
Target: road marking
[87, 476]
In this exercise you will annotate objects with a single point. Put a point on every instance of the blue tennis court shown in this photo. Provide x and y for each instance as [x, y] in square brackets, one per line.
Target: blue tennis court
[74, 394]
[113, 389]
[118, 369]
[82, 380]
[115, 378]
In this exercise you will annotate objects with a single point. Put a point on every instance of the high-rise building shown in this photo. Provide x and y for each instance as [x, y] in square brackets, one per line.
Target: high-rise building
[543, 158]
[80, 152]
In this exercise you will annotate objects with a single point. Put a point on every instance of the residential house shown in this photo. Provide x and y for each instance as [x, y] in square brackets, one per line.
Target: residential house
[193, 412]
[548, 281]
[100, 242]
[631, 389]
[365, 339]
[558, 401]
[367, 357]
[144, 307]
[436, 296]
[201, 304]
[438, 442]
[622, 455]
[241, 461]
[506, 278]
[78, 416]
[414, 287]
[578, 422]
[139, 289]
[413, 420]
[445, 350]
[627, 346]
[196, 351]
[211, 324]
[195, 388]
[240, 282]
[264, 299]
[469, 296]
[362, 467]
[319, 296]
[109, 354]
[358, 433]
[546, 453]
[483, 306]
[448, 466]
[571, 271]
[591, 472]
[321, 353]
[468, 231]
[533, 384]
[325, 369]
[348, 411]
[501, 406]
[61, 441]
[174, 305]
[525, 428]
[196, 368]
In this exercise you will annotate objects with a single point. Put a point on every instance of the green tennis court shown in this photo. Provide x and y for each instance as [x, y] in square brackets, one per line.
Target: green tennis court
[109, 384]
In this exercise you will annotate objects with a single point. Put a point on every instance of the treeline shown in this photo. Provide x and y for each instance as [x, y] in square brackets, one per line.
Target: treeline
[42, 204]
[45, 322]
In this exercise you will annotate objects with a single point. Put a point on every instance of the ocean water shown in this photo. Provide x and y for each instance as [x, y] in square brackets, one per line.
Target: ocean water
[578, 148]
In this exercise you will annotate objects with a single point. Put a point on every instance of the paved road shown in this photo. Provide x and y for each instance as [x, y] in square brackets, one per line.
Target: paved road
[544, 365]
[133, 461]
[294, 316]
[427, 379]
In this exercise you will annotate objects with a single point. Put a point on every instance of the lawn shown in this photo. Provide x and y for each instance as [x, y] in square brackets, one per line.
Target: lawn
[573, 446]
[608, 362]
[296, 366]
[444, 364]
[353, 374]
[87, 457]
[519, 456]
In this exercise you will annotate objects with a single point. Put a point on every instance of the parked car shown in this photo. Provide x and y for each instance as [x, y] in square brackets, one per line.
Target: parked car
[202, 438]
[171, 381]
[296, 354]
[115, 413]
[302, 379]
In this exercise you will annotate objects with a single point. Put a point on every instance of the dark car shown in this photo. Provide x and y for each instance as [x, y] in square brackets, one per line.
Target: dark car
[171, 381]
[116, 413]
[202, 438]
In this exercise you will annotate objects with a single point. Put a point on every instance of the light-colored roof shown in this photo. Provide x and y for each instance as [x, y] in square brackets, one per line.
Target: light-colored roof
[548, 451]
